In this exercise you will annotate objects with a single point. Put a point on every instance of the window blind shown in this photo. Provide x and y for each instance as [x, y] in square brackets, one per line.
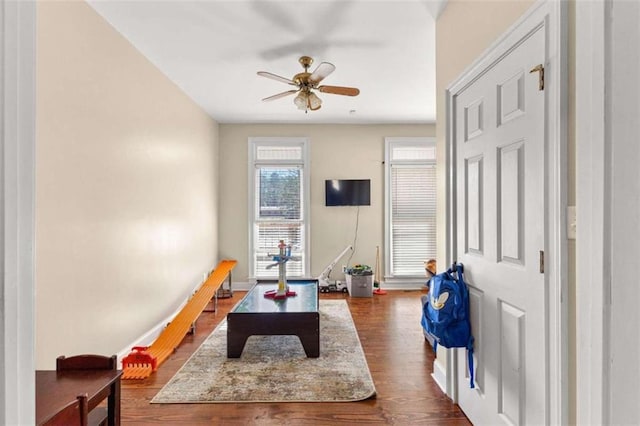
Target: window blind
[278, 216]
[413, 218]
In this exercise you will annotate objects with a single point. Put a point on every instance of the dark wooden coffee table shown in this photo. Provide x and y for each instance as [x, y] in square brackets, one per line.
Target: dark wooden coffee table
[256, 315]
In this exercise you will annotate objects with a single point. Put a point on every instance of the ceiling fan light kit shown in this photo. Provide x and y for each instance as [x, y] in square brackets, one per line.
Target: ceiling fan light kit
[308, 82]
[307, 101]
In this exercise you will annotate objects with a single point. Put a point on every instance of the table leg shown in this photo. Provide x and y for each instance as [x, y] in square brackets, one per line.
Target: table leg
[235, 344]
[311, 344]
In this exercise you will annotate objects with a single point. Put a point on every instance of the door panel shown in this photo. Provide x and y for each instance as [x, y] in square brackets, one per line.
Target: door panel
[473, 188]
[510, 203]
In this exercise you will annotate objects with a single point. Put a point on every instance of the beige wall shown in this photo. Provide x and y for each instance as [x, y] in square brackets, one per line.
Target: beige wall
[126, 188]
[336, 151]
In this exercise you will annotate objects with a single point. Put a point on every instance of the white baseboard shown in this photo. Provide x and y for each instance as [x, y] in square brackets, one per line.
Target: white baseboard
[242, 286]
[145, 340]
[440, 376]
[245, 286]
[402, 285]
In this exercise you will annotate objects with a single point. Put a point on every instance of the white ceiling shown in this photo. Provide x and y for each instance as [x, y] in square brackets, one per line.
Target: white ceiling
[213, 49]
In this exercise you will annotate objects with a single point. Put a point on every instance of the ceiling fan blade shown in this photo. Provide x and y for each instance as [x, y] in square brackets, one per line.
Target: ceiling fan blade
[278, 15]
[338, 90]
[323, 70]
[276, 77]
[280, 95]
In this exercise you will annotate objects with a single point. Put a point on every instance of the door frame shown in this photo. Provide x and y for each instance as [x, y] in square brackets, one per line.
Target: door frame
[17, 191]
[599, 130]
[592, 235]
[553, 15]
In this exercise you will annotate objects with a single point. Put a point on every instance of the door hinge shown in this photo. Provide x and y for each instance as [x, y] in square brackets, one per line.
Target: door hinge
[542, 261]
[540, 70]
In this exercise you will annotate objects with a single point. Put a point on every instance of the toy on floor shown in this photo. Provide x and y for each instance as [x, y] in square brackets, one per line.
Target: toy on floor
[377, 287]
[429, 270]
[281, 259]
[144, 360]
[324, 283]
[336, 287]
[360, 269]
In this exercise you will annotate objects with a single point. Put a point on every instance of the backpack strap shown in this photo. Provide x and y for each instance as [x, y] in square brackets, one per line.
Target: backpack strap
[470, 360]
[460, 272]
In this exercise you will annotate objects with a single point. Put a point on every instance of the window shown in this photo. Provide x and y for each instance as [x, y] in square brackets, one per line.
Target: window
[410, 206]
[278, 200]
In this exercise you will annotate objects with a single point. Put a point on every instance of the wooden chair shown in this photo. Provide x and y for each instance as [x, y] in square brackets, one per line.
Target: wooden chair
[74, 414]
[87, 362]
[99, 415]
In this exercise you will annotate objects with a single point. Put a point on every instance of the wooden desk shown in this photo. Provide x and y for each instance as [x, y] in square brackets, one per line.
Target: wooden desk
[56, 389]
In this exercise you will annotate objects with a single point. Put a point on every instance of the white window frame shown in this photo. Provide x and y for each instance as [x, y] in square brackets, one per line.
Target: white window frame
[389, 144]
[254, 143]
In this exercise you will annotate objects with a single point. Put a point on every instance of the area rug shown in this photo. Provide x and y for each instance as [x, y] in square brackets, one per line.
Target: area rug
[276, 369]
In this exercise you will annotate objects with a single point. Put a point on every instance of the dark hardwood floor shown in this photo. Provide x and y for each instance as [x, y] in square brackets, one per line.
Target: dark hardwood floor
[400, 361]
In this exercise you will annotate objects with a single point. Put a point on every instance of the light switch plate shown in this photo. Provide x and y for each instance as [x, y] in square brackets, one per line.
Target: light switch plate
[571, 222]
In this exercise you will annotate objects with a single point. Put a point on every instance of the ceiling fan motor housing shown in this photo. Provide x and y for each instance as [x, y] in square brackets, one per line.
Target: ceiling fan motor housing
[302, 80]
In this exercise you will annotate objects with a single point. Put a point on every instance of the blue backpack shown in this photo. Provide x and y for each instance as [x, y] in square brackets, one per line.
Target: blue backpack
[446, 313]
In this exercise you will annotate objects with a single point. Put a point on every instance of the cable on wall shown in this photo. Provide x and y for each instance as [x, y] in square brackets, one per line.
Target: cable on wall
[355, 237]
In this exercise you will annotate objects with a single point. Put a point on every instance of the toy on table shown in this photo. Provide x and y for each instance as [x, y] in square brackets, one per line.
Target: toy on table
[281, 259]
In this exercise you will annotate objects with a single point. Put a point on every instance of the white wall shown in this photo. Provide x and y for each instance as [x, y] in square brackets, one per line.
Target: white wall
[336, 151]
[126, 188]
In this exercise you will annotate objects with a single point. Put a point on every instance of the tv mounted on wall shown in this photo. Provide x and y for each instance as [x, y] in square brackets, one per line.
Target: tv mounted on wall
[347, 192]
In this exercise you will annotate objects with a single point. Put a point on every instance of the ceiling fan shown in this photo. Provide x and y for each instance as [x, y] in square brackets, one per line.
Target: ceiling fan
[308, 82]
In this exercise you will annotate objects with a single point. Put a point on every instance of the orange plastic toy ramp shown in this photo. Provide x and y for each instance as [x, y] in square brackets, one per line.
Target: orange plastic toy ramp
[142, 361]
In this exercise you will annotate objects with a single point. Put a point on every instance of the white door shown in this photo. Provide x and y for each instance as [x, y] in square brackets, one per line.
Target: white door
[499, 145]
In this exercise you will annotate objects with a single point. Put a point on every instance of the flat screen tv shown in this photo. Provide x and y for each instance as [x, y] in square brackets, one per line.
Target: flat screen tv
[347, 192]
